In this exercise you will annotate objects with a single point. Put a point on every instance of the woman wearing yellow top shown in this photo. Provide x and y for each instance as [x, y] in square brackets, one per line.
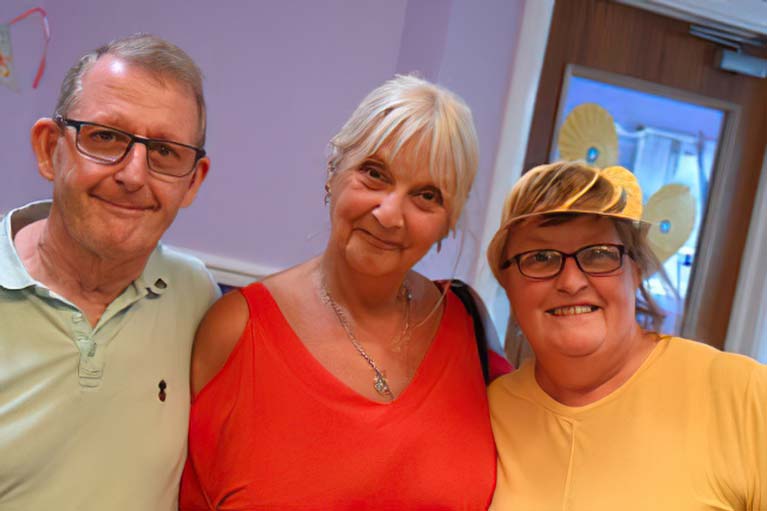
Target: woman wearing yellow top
[607, 415]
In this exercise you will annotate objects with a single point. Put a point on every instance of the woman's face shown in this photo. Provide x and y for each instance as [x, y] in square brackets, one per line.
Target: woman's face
[572, 314]
[386, 212]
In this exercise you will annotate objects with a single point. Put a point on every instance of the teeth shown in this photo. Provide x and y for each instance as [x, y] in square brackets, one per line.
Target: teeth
[573, 310]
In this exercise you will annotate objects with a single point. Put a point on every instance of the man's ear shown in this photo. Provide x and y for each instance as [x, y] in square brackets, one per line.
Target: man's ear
[198, 176]
[44, 136]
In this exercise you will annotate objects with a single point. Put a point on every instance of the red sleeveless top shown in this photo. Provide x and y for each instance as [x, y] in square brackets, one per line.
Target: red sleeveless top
[275, 430]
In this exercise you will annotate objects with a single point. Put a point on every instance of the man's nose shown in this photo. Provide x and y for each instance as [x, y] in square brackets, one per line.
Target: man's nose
[389, 211]
[133, 171]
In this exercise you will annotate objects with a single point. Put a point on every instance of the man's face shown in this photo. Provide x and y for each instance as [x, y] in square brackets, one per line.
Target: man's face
[121, 210]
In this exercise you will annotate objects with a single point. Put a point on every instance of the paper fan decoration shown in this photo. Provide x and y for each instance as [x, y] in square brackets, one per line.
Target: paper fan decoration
[589, 134]
[671, 211]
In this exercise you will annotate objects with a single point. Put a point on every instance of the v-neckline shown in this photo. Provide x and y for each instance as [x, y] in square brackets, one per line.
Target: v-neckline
[305, 361]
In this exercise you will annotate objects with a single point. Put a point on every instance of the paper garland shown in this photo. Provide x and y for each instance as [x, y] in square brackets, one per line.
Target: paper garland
[7, 75]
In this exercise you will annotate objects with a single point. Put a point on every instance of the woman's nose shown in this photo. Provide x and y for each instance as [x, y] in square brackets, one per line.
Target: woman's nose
[389, 212]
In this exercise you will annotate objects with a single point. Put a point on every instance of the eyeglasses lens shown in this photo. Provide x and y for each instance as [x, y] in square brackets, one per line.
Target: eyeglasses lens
[599, 259]
[102, 143]
[170, 158]
[541, 263]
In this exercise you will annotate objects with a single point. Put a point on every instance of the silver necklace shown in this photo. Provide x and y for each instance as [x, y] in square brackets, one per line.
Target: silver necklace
[379, 379]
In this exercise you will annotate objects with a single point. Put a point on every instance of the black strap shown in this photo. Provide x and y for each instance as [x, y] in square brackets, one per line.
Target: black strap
[462, 291]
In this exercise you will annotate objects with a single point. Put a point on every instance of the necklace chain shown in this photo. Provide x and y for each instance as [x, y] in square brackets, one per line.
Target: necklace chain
[379, 380]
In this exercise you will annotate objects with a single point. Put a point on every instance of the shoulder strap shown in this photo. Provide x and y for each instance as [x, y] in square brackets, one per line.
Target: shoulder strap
[461, 290]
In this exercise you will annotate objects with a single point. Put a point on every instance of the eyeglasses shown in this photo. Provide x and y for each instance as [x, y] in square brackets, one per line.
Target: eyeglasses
[107, 145]
[548, 263]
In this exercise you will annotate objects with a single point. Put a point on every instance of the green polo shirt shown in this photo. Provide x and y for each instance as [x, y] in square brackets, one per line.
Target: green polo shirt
[95, 418]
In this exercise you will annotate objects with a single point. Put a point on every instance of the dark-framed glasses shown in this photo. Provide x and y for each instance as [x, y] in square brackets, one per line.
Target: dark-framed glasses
[548, 263]
[109, 146]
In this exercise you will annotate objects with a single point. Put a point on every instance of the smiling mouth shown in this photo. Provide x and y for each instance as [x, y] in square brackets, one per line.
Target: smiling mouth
[381, 243]
[126, 207]
[572, 310]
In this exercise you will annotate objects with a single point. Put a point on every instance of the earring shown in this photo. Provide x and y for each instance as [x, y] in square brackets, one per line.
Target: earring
[439, 246]
[331, 171]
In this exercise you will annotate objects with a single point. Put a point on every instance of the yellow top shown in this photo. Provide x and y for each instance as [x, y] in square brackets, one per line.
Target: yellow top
[688, 431]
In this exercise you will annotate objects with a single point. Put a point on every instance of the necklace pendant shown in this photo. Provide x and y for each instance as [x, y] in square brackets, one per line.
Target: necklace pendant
[381, 386]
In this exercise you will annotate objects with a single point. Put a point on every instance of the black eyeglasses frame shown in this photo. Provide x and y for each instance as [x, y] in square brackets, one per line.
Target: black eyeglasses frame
[65, 121]
[565, 256]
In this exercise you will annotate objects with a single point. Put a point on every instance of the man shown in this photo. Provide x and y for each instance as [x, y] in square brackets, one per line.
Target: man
[96, 318]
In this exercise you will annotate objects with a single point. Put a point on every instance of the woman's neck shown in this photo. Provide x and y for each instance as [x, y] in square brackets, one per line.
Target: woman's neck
[359, 293]
[579, 381]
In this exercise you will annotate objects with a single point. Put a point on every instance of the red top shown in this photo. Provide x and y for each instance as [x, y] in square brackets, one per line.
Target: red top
[275, 430]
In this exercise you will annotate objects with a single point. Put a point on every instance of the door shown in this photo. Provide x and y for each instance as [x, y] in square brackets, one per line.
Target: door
[629, 44]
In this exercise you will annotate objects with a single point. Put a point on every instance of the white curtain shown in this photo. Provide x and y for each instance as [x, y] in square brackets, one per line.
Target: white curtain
[747, 333]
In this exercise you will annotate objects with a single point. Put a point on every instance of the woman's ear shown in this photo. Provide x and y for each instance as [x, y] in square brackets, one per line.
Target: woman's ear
[44, 136]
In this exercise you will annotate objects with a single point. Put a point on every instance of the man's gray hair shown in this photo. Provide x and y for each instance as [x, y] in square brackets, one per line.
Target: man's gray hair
[160, 58]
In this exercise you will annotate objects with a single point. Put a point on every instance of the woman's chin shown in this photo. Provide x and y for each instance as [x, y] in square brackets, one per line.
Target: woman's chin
[581, 344]
[374, 263]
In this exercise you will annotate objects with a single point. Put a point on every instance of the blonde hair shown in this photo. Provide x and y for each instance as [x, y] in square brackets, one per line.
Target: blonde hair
[409, 108]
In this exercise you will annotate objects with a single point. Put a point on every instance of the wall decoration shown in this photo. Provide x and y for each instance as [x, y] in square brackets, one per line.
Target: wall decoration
[7, 75]
[671, 211]
[589, 134]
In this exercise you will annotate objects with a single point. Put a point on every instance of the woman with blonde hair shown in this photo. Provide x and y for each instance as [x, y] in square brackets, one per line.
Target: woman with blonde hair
[351, 381]
[608, 415]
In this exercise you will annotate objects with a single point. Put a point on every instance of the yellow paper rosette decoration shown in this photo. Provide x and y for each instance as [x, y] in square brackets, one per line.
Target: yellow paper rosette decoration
[671, 213]
[588, 134]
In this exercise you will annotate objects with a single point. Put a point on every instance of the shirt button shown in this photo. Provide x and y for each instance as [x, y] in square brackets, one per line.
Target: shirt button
[77, 317]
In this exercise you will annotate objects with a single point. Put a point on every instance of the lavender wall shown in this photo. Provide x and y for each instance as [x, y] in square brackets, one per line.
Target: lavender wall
[281, 77]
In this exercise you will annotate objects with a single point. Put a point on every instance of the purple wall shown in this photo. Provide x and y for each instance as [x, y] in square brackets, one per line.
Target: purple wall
[281, 77]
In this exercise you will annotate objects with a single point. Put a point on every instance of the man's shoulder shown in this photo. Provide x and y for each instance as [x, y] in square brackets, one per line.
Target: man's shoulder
[179, 261]
[185, 273]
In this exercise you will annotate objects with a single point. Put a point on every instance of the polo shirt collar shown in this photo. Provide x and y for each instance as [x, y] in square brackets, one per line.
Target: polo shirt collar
[155, 279]
[13, 275]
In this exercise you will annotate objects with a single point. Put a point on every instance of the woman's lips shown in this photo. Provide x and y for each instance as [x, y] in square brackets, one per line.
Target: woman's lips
[381, 242]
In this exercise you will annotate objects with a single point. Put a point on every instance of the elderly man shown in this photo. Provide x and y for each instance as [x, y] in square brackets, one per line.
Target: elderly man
[96, 318]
